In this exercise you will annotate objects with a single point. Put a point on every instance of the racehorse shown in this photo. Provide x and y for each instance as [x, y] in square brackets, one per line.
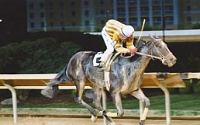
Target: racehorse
[125, 76]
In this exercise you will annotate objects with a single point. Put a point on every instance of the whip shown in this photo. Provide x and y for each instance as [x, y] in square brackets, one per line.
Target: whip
[142, 29]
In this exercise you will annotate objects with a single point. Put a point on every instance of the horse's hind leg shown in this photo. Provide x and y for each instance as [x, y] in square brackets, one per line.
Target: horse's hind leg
[50, 90]
[118, 103]
[140, 95]
[97, 103]
[79, 97]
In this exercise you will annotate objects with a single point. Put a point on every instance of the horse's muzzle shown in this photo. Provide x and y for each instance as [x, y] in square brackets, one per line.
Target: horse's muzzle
[170, 60]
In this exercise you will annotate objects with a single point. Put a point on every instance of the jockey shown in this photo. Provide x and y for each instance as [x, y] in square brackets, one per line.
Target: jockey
[114, 35]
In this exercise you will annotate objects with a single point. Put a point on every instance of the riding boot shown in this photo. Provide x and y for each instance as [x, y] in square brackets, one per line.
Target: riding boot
[102, 66]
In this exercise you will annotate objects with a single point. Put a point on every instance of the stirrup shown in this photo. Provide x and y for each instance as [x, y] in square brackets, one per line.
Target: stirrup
[102, 66]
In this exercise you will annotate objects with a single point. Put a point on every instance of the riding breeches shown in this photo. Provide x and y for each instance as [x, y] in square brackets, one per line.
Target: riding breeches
[109, 44]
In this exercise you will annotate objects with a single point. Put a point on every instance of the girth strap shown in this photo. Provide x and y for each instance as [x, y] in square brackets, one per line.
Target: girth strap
[107, 71]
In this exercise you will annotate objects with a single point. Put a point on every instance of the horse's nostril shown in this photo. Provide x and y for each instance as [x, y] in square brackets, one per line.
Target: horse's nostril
[173, 59]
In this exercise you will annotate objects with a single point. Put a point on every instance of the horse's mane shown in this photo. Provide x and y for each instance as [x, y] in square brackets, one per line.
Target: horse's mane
[141, 44]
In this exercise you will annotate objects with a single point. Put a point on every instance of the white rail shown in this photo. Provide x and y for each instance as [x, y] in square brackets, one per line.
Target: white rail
[151, 80]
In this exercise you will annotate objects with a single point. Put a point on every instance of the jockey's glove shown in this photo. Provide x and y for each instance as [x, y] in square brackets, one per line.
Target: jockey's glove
[133, 51]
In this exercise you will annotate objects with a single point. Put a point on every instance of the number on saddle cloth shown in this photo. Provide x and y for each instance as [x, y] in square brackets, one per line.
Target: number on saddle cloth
[96, 59]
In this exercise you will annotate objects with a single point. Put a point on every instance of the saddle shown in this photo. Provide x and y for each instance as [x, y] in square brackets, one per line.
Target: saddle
[96, 62]
[98, 55]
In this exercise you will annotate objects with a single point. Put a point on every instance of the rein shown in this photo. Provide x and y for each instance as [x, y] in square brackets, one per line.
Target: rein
[148, 55]
[161, 57]
[143, 54]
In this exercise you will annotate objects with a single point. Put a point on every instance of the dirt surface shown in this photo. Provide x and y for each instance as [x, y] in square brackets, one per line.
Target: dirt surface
[87, 121]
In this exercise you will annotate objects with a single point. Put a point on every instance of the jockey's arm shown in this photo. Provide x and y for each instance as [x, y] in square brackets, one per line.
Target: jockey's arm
[129, 43]
[118, 46]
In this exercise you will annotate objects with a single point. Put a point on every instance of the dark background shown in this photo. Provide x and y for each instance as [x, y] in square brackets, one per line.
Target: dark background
[13, 30]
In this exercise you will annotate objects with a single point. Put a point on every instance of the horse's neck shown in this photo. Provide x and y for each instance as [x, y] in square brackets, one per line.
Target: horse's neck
[138, 66]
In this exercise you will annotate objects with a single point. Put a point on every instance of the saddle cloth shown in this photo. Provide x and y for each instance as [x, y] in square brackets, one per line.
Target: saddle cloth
[96, 59]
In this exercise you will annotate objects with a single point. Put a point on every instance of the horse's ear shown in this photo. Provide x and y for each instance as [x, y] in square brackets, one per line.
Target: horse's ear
[156, 36]
[152, 37]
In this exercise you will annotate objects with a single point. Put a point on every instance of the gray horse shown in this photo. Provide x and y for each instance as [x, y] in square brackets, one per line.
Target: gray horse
[125, 76]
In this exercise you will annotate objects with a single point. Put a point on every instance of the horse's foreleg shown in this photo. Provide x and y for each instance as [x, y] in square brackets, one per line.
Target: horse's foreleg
[118, 103]
[140, 95]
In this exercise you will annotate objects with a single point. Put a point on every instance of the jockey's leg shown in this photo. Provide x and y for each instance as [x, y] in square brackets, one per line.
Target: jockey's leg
[140, 95]
[118, 103]
[97, 103]
[109, 44]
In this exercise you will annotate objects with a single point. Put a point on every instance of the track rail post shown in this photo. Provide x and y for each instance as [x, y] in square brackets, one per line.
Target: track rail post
[14, 102]
[167, 105]
[167, 101]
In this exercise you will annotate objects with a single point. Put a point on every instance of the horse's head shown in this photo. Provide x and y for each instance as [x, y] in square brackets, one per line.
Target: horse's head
[161, 50]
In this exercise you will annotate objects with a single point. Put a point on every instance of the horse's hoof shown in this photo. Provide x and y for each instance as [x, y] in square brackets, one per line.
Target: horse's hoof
[101, 112]
[141, 122]
[93, 118]
[112, 123]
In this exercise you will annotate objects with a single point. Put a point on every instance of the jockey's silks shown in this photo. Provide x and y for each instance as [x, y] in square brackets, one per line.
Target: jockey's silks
[113, 28]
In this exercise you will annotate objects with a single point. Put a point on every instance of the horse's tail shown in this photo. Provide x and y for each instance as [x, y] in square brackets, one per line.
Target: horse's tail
[61, 77]
[52, 86]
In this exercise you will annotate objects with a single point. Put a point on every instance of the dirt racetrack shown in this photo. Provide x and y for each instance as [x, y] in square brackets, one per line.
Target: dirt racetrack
[86, 121]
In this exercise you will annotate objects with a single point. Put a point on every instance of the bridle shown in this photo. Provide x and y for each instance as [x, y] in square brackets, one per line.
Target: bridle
[161, 57]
